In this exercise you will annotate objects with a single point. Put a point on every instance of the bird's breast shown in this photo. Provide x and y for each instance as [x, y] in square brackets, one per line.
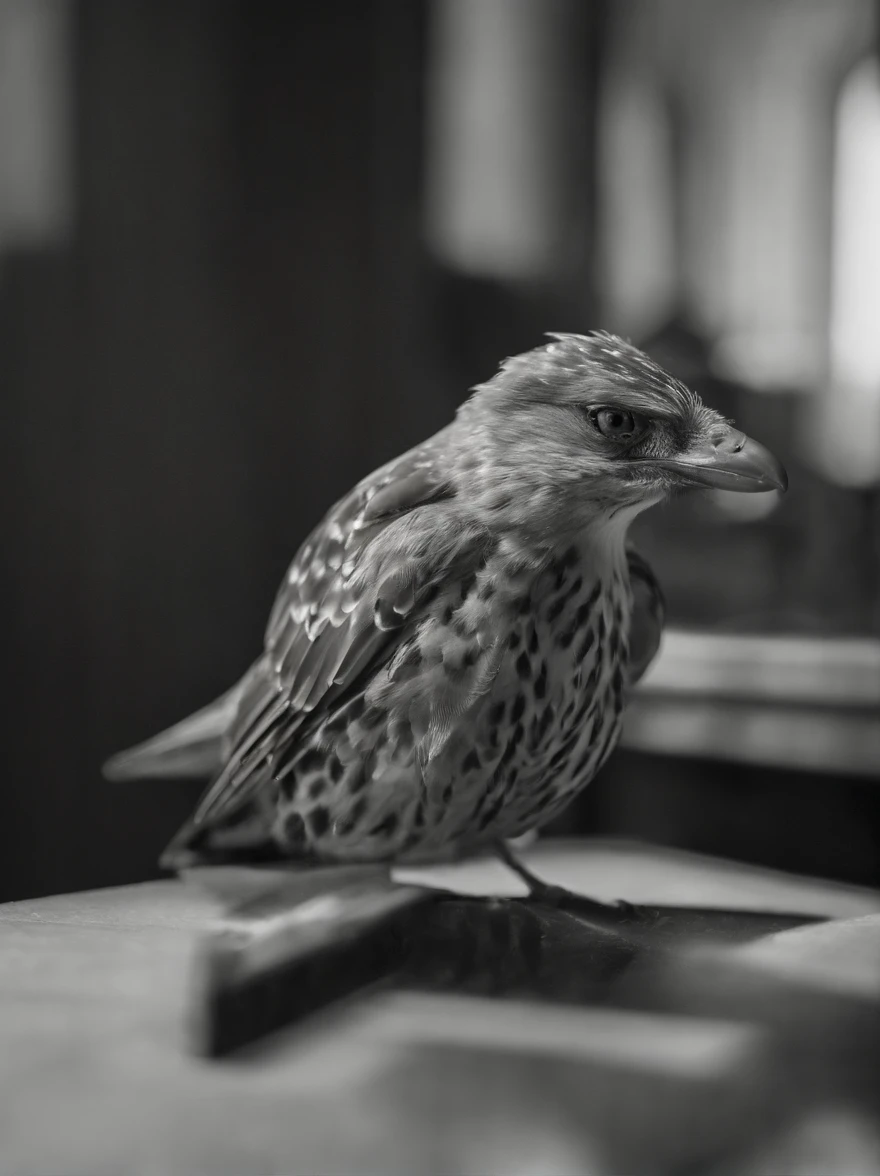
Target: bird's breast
[556, 712]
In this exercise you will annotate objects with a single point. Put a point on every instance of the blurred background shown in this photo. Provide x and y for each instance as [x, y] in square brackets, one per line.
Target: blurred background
[248, 251]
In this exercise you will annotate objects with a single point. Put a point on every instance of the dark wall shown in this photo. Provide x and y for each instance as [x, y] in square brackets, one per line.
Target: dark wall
[231, 338]
[244, 322]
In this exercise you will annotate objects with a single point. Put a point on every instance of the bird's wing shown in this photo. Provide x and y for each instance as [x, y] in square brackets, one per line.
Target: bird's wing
[360, 580]
[648, 616]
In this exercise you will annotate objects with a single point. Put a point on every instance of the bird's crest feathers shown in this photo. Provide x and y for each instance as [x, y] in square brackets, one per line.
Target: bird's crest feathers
[598, 363]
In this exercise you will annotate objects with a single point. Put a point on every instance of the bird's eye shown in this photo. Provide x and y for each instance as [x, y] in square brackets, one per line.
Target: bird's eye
[617, 424]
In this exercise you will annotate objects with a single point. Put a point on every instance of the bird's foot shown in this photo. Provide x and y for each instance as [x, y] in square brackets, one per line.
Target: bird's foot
[561, 898]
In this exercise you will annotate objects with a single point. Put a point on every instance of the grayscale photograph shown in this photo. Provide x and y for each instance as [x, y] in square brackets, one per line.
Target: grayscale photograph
[442, 588]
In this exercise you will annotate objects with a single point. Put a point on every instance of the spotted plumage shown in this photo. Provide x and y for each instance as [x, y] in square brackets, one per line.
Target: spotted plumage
[447, 661]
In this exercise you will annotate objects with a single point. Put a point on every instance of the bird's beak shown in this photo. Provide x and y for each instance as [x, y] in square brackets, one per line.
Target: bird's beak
[730, 461]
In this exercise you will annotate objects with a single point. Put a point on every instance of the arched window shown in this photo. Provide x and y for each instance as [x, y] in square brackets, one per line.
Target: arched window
[745, 159]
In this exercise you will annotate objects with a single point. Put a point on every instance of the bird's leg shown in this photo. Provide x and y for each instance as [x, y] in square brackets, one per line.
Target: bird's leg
[558, 896]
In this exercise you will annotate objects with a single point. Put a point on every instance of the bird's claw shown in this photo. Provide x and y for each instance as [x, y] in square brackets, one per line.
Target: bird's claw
[625, 907]
[555, 896]
[560, 898]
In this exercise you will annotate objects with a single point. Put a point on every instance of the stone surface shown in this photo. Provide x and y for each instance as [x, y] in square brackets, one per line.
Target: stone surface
[96, 1074]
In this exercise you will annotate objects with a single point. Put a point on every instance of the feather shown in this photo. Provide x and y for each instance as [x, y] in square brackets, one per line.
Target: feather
[191, 748]
[648, 616]
[323, 632]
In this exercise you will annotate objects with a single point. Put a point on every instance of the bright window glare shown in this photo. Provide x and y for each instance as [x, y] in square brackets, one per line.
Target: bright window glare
[848, 443]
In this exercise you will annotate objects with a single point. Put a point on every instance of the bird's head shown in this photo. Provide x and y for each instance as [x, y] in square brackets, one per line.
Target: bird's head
[587, 427]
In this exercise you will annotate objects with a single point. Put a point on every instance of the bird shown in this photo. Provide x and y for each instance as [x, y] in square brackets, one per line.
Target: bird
[448, 659]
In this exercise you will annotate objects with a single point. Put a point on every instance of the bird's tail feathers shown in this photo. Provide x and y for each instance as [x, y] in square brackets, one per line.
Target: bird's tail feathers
[190, 749]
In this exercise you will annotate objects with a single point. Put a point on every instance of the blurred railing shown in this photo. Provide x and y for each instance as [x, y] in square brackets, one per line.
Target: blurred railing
[792, 702]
